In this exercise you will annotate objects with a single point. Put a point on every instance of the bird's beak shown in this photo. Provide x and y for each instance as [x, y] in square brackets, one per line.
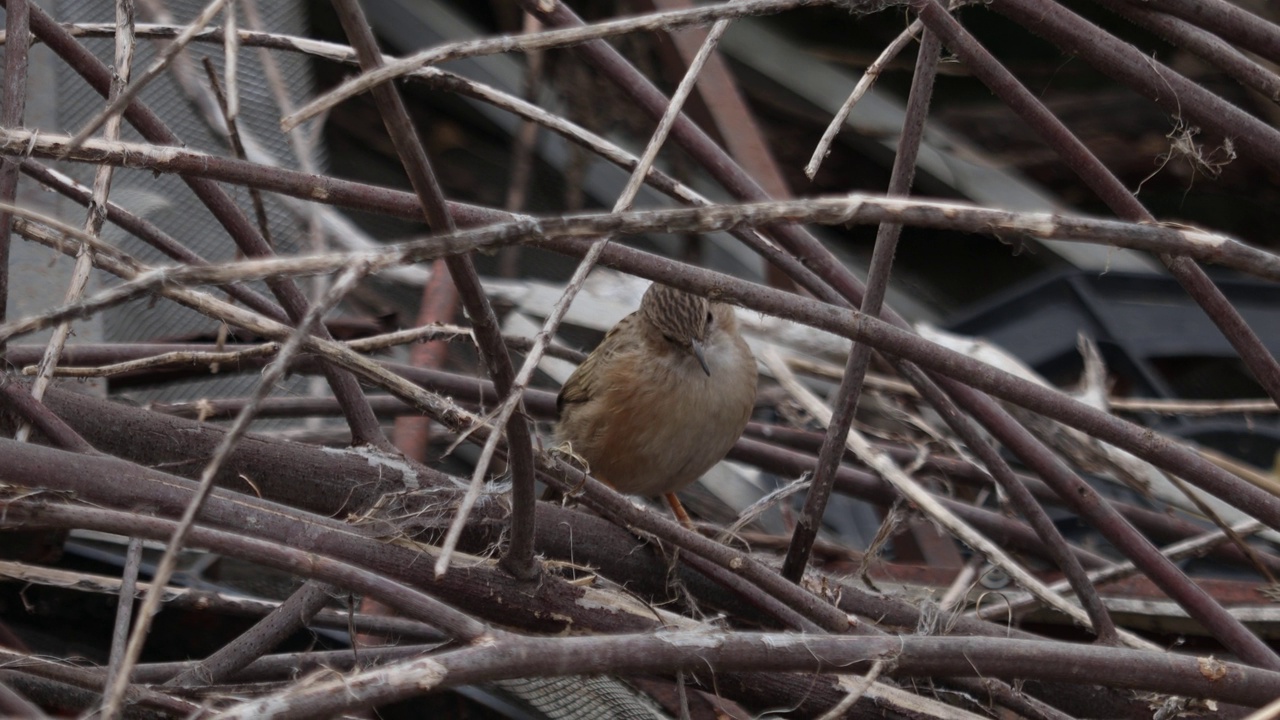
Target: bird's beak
[702, 358]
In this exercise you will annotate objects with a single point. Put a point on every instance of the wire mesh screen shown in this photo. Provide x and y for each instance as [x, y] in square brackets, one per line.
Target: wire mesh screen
[164, 199]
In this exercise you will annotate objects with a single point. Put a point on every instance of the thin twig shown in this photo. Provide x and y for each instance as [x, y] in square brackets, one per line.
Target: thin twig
[124, 609]
[14, 106]
[889, 470]
[233, 135]
[522, 149]
[856, 691]
[238, 354]
[168, 562]
[877, 286]
[303, 149]
[120, 100]
[544, 336]
[1202, 505]
[96, 216]
[1193, 407]
[184, 358]
[823, 148]
[518, 558]
[1191, 547]
[544, 40]
[231, 58]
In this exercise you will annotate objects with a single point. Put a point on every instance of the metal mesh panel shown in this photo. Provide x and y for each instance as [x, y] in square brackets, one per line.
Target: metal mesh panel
[165, 199]
[583, 698]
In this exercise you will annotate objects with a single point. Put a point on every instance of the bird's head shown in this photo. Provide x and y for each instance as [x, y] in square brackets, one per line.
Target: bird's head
[682, 319]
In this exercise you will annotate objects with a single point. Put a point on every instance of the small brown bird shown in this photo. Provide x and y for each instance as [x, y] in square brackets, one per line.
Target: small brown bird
[663, 398]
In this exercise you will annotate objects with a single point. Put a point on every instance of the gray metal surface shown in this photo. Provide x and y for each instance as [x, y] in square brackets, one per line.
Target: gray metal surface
[165, 199]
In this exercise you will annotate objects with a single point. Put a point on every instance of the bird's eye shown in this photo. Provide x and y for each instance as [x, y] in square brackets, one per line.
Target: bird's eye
[710, 318]
[668, 338]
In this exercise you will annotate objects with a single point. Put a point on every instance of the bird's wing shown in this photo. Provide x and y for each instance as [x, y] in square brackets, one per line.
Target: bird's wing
[585, 382]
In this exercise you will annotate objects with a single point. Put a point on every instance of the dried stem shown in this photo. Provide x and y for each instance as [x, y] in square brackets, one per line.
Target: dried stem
[121, 99]
[906, 655]
[588, 262]
[94, 219]
[522, 149]
[934, 510]
[1191, 547]
[385, 73]
[18, 36]
[114, 694]
[233, 132]
[856, 692]
[823, 148]
[124, 610]
[850, 390]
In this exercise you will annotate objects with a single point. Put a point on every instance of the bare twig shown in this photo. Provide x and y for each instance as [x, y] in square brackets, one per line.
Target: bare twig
[856, 691]
[930, 506]
[231, 56]
[18, 36]
[183, 358]
[721, 652]
[233, 133]
[522, 149]
[1193, 407]
[1191, 547]
[538, 41]
[850, 390]
[544, 336]
[821, 150]
[164, 569]
[124, 610]
[96, 216]
[121, 99]
[518, 558]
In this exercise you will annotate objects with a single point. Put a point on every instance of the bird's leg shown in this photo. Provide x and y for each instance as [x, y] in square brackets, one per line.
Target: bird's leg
[678, 509]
